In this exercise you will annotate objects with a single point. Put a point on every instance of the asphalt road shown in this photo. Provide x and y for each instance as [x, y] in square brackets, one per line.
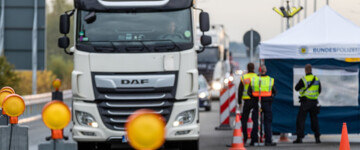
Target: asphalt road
[210, 139]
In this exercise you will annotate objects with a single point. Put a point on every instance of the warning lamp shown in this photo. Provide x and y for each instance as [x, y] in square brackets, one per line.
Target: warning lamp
[3, 94]
[56, 84]
[13, 106]
[56, 115]
[145, 130]
[7, 88]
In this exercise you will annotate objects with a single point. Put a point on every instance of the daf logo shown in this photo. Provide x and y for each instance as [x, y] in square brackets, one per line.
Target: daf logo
[135, 81]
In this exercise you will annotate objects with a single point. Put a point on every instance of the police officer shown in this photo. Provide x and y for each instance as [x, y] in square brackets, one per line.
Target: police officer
[262, 86]
[309, 87]
[242, 94]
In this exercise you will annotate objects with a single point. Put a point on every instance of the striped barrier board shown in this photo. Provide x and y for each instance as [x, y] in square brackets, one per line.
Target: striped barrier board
[224, 110]
[232, 98]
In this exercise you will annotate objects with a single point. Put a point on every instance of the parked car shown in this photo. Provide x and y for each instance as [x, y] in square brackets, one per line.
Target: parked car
[204, 94]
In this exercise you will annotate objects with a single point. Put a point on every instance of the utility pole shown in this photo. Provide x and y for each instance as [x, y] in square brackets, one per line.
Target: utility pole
[305, 9]
[2, 27]
[314, 5]
[327, 2]
[34, 48]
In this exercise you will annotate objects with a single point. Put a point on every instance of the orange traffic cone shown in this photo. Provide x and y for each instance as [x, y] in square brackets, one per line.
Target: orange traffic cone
[344, 143]
[238, 143]
[283, 138]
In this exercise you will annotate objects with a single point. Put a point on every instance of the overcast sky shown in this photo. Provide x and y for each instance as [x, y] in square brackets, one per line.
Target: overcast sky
[239, 16]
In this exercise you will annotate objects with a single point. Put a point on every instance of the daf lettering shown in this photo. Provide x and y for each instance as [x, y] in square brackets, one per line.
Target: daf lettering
[142, 81]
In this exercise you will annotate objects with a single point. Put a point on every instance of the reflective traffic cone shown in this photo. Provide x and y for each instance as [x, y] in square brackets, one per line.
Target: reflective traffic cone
[238, 143]
[284, 137]
[344, 143]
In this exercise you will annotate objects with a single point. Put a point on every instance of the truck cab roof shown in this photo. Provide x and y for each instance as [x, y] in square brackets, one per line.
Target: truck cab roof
[131, 5]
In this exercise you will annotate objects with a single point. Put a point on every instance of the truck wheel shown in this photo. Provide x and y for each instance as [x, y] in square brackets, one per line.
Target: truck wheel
[190, 145]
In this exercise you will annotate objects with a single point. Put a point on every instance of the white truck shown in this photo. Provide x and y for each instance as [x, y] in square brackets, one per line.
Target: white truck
[130, 55]
[214, 62]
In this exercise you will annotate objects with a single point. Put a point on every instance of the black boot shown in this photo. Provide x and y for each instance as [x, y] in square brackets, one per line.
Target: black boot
[270, 144]
[297, 141]
[317, 140]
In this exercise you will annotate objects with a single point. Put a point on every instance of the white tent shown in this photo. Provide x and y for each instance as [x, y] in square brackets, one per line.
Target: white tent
[325, 34]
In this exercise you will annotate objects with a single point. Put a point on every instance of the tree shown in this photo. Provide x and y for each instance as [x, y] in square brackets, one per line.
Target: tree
[8, 76]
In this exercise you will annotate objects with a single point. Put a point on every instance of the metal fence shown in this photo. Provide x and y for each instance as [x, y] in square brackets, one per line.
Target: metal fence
[35, 103]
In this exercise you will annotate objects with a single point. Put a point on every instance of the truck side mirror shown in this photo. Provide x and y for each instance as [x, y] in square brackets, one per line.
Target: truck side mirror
[204, 22]
[64, 42]
[64, 23]
[205, 40]
[90, 18]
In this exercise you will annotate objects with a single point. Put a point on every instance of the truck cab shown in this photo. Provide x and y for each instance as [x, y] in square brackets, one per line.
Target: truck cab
[130, 55]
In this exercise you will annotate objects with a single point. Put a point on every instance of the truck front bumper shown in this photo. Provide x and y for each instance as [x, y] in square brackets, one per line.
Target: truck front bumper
[103, 134]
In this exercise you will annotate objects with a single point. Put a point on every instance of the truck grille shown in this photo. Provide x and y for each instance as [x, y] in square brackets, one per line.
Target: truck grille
[114, 114]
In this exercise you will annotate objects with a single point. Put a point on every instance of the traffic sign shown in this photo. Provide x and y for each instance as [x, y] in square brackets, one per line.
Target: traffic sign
[18, 21]
[247, 39]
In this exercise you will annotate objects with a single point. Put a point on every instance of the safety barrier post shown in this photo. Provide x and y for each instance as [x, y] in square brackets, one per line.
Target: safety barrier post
[232, 99]
[13, 136]
[57, 94]
[5, 91]
[224, 110]
[57, 109]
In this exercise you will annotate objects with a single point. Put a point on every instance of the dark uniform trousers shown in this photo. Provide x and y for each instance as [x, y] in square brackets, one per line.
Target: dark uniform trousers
[267, 110]
[249, 105]
[305, 107]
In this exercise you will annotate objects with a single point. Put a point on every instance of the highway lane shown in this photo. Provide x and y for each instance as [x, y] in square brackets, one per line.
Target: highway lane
[210, 139]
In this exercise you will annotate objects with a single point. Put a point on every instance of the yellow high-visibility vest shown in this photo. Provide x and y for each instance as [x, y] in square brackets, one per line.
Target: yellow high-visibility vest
[312, 92]
[246, 80]
[267, 84]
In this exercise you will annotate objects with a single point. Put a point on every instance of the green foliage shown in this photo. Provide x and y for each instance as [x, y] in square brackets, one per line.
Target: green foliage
[44, 82]
[62, 69]
[53, 31]
[58, 62]
[8, 76]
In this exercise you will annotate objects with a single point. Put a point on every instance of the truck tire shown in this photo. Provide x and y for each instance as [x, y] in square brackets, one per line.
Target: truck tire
[190, 145]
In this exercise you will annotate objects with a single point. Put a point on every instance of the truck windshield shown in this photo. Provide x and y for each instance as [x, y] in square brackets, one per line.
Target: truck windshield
[173, 27]
[210, 55]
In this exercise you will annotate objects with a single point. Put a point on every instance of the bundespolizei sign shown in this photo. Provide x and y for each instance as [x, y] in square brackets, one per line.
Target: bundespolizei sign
[19, 17]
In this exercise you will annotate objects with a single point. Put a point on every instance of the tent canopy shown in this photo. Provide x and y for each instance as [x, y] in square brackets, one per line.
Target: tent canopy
[325, 34]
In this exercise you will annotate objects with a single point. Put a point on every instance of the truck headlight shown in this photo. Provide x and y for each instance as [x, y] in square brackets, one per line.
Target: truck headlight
[202, 95]
[86, 119]
[216, 85]
[186, 117]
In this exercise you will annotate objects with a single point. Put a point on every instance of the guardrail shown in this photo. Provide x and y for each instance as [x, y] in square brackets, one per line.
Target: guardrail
[35, 103]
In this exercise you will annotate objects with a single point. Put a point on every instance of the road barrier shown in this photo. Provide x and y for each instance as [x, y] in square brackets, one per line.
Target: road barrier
[232, 98]
[35, 103]
[5, 91]
[60, 111]
[224, 110]
[13, 136]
